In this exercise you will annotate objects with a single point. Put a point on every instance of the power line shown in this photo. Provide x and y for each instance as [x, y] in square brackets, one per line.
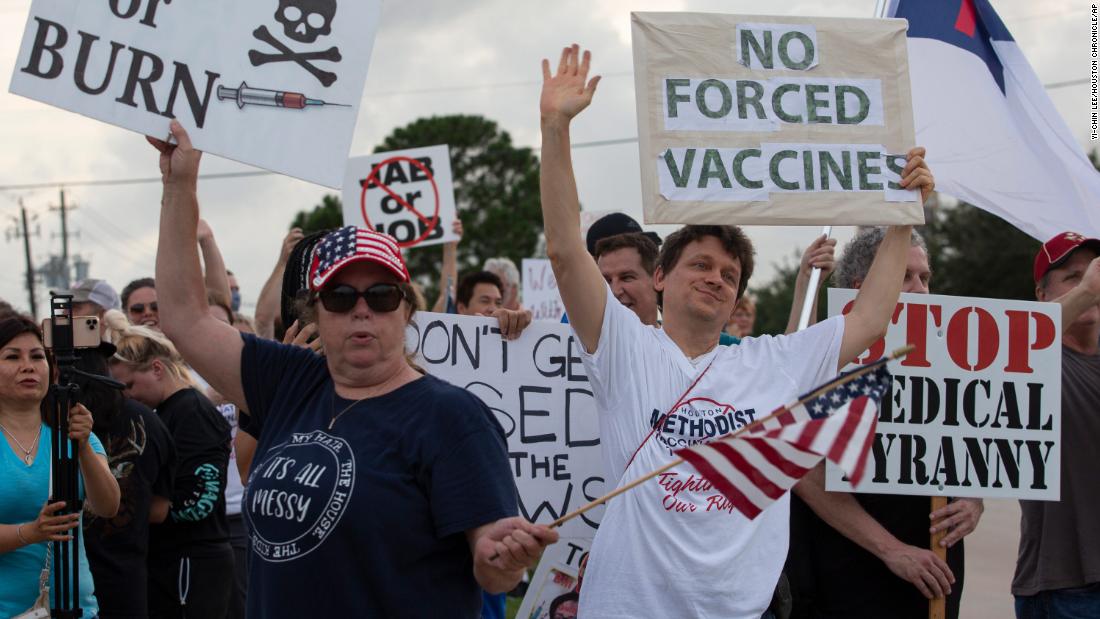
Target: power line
[224, 175]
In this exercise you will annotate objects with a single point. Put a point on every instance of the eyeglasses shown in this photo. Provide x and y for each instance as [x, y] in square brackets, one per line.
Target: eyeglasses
[139, 308]
[379, 297]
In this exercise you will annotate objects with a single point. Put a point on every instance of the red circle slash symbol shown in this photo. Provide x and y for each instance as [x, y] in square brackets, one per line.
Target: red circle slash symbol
[429, 223]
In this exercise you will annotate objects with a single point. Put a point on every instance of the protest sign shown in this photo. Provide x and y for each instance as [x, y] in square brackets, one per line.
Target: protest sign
[537, 388]
[272, 84]
[540, 290]
[408, 194]
[557, 579]
[975, 409]
[773, 120]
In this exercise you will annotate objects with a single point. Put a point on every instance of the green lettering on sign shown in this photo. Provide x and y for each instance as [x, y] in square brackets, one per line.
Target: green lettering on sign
[842, 173]
[808, 169]
[896, 163]
[680, 175]
[773, 169]
[813, 104]
[865, 170]
[713, 168]
[701, 98]
[739, 168]
[744, 100]
[777, 103]
[673, 98]
[785, 48]
[842, 105]
[763, 52]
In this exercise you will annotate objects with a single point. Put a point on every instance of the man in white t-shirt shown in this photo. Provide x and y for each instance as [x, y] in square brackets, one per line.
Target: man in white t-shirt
[674, 547]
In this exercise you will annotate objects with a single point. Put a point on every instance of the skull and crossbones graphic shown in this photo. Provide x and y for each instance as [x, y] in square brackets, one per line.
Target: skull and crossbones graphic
[303, 21]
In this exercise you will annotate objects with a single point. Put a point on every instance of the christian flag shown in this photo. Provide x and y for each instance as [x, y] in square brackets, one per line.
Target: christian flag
[835, 421]
[994, 138]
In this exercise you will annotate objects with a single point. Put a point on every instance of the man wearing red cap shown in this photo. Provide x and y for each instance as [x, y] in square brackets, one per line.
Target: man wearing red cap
[1058, 567]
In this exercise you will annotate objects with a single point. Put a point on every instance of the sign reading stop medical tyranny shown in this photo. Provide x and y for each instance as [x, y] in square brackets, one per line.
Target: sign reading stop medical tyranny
[975, 409]
[407, 194]
[272, 83]
[773, 120]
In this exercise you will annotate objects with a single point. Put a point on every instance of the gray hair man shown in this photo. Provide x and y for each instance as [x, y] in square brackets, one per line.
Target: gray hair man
[878, 540]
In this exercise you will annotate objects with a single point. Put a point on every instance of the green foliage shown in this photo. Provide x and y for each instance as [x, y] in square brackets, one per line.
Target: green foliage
[973, 254]
[773, 300]
[326, 215]
[976, 254]
[496, 193]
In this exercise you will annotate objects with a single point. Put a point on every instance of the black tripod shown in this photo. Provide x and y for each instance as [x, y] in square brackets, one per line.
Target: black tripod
[65, 465]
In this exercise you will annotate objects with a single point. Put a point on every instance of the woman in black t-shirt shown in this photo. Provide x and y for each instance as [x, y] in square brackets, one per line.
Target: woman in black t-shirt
[376, 491]
[140, 455]
[190, 559]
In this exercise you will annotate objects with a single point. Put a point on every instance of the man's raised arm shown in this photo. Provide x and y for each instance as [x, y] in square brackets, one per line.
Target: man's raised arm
[564, 95]
[878, 296]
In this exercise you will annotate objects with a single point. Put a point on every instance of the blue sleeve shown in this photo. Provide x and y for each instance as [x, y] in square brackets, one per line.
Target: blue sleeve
[97, 446]
[272, 372]
[471, 482]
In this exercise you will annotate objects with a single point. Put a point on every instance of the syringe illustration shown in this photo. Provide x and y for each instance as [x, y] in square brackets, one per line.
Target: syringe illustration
[247, 95]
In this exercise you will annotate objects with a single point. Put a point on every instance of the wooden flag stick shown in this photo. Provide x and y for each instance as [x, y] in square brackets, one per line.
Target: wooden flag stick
[901, 352]
[937, 607]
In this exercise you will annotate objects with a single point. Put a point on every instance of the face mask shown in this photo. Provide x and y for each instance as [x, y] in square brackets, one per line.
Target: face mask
[235, 300]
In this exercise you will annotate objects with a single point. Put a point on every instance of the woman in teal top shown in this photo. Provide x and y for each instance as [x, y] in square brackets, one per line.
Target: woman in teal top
[27, 523]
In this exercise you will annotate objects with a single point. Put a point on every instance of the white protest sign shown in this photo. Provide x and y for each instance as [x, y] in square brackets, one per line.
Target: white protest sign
[773, 120]
[540, 290]
[537, 388]
[273, 84]
[975, 409]
[557, 580]
[407, 194]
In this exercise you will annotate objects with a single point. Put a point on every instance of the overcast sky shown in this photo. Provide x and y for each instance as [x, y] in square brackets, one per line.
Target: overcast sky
[431, 57]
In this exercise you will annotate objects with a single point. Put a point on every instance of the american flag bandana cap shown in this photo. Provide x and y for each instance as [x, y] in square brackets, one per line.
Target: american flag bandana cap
[352, 244]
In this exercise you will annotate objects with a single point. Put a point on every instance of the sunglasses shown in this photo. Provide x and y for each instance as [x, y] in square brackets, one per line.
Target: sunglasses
[379, 297]
[139, 308]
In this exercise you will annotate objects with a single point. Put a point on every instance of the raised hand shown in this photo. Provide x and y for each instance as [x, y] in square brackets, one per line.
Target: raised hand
[820, 254]
[179, 162]
[567, 92]
[917, 174]
[289, 241]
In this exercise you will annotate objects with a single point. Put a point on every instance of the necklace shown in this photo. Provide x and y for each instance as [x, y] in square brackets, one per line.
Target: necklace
[337, 415]
[27, 452]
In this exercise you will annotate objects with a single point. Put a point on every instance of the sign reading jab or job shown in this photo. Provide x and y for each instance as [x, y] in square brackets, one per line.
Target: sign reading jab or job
[975, 409]
[272, 83]
[408, 194]
[773, 120]
[538, 390]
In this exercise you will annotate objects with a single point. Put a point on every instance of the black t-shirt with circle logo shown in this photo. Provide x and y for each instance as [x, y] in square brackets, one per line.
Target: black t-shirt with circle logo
[365, 519]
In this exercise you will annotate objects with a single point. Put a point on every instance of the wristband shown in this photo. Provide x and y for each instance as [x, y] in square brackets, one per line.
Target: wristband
[19, 533]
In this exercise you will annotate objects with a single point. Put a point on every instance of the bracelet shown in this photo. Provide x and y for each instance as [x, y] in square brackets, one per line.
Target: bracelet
[19, 533]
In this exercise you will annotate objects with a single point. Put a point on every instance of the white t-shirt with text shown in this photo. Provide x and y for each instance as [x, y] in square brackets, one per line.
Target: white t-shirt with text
[674, 546]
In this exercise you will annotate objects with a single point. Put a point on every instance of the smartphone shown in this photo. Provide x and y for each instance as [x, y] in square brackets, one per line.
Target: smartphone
[85, 332]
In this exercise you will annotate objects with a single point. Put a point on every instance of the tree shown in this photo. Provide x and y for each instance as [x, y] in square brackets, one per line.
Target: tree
[976, 254]
[326, 215]
[773, 299]
[496, 188]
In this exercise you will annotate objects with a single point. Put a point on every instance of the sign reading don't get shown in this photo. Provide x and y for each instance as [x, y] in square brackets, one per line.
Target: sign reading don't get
[272, 83]
[773, 120]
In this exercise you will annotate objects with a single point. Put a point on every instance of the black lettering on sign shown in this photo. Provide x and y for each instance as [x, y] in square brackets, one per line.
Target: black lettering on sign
[133, 6]
[525, 413]
[43, 45]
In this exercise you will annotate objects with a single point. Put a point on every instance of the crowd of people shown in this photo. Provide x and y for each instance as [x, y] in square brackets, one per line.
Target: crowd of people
[298, 463]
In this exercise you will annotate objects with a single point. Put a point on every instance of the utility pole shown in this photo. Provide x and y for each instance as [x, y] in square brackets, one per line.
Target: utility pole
[66, 269]
[22, 229]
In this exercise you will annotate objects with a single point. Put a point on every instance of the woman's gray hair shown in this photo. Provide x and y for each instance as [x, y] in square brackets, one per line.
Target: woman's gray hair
[504, 268]
[859, 253]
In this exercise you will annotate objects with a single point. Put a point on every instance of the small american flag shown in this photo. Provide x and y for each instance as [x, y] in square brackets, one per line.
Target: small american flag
[350, 244]
[754, 469]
